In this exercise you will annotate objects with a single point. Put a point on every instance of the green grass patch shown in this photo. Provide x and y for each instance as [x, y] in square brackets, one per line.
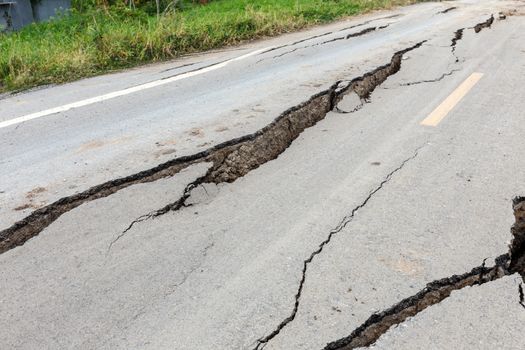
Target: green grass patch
[95, 40]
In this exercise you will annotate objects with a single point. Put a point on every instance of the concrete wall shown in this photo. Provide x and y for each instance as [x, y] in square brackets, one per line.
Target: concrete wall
[4, 16]
[45, 9]
[15, 14]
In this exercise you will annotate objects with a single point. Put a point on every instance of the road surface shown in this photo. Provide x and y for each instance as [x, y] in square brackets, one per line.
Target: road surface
[275, 195]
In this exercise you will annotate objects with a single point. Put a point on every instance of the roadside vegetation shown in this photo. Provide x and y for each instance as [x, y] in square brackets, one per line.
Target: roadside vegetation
[98, 36]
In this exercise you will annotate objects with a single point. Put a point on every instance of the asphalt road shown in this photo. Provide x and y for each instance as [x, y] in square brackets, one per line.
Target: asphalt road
[126, 222]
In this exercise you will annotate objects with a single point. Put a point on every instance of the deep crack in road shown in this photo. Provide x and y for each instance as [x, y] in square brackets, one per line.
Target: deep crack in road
[342, 205]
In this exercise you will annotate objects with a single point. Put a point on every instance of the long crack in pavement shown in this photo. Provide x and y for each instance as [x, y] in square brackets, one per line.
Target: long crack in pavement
[344, 37]
[326, 33]
[521, 295]
[435, 292]
[179, 203]
[441, 77]
[458, 35]
[487, 24]
[262, 342]
[363, 87]
[231, 159]
[239, 159]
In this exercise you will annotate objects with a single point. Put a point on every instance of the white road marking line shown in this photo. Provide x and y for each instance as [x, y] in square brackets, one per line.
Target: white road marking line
[124, 92]
[451, 101]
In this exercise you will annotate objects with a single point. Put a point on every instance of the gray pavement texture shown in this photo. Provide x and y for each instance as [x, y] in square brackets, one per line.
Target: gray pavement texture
[362, 210]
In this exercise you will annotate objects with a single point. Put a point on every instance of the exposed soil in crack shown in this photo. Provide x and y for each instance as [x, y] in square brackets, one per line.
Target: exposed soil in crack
[363, 87]
[436, 291]
[38, 220]
[458, 35]
[231, 159]
[262, 342]
[487, 24]
[239, 159]
[517, 245]
[521, 295]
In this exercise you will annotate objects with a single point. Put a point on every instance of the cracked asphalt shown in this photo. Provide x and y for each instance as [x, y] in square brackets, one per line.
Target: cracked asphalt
[284, 194]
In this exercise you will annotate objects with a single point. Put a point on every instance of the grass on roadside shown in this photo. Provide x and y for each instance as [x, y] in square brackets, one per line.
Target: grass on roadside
[98, 40]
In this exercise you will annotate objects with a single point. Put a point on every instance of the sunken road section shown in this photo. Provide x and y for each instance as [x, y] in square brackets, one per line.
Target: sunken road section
[230, 160]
